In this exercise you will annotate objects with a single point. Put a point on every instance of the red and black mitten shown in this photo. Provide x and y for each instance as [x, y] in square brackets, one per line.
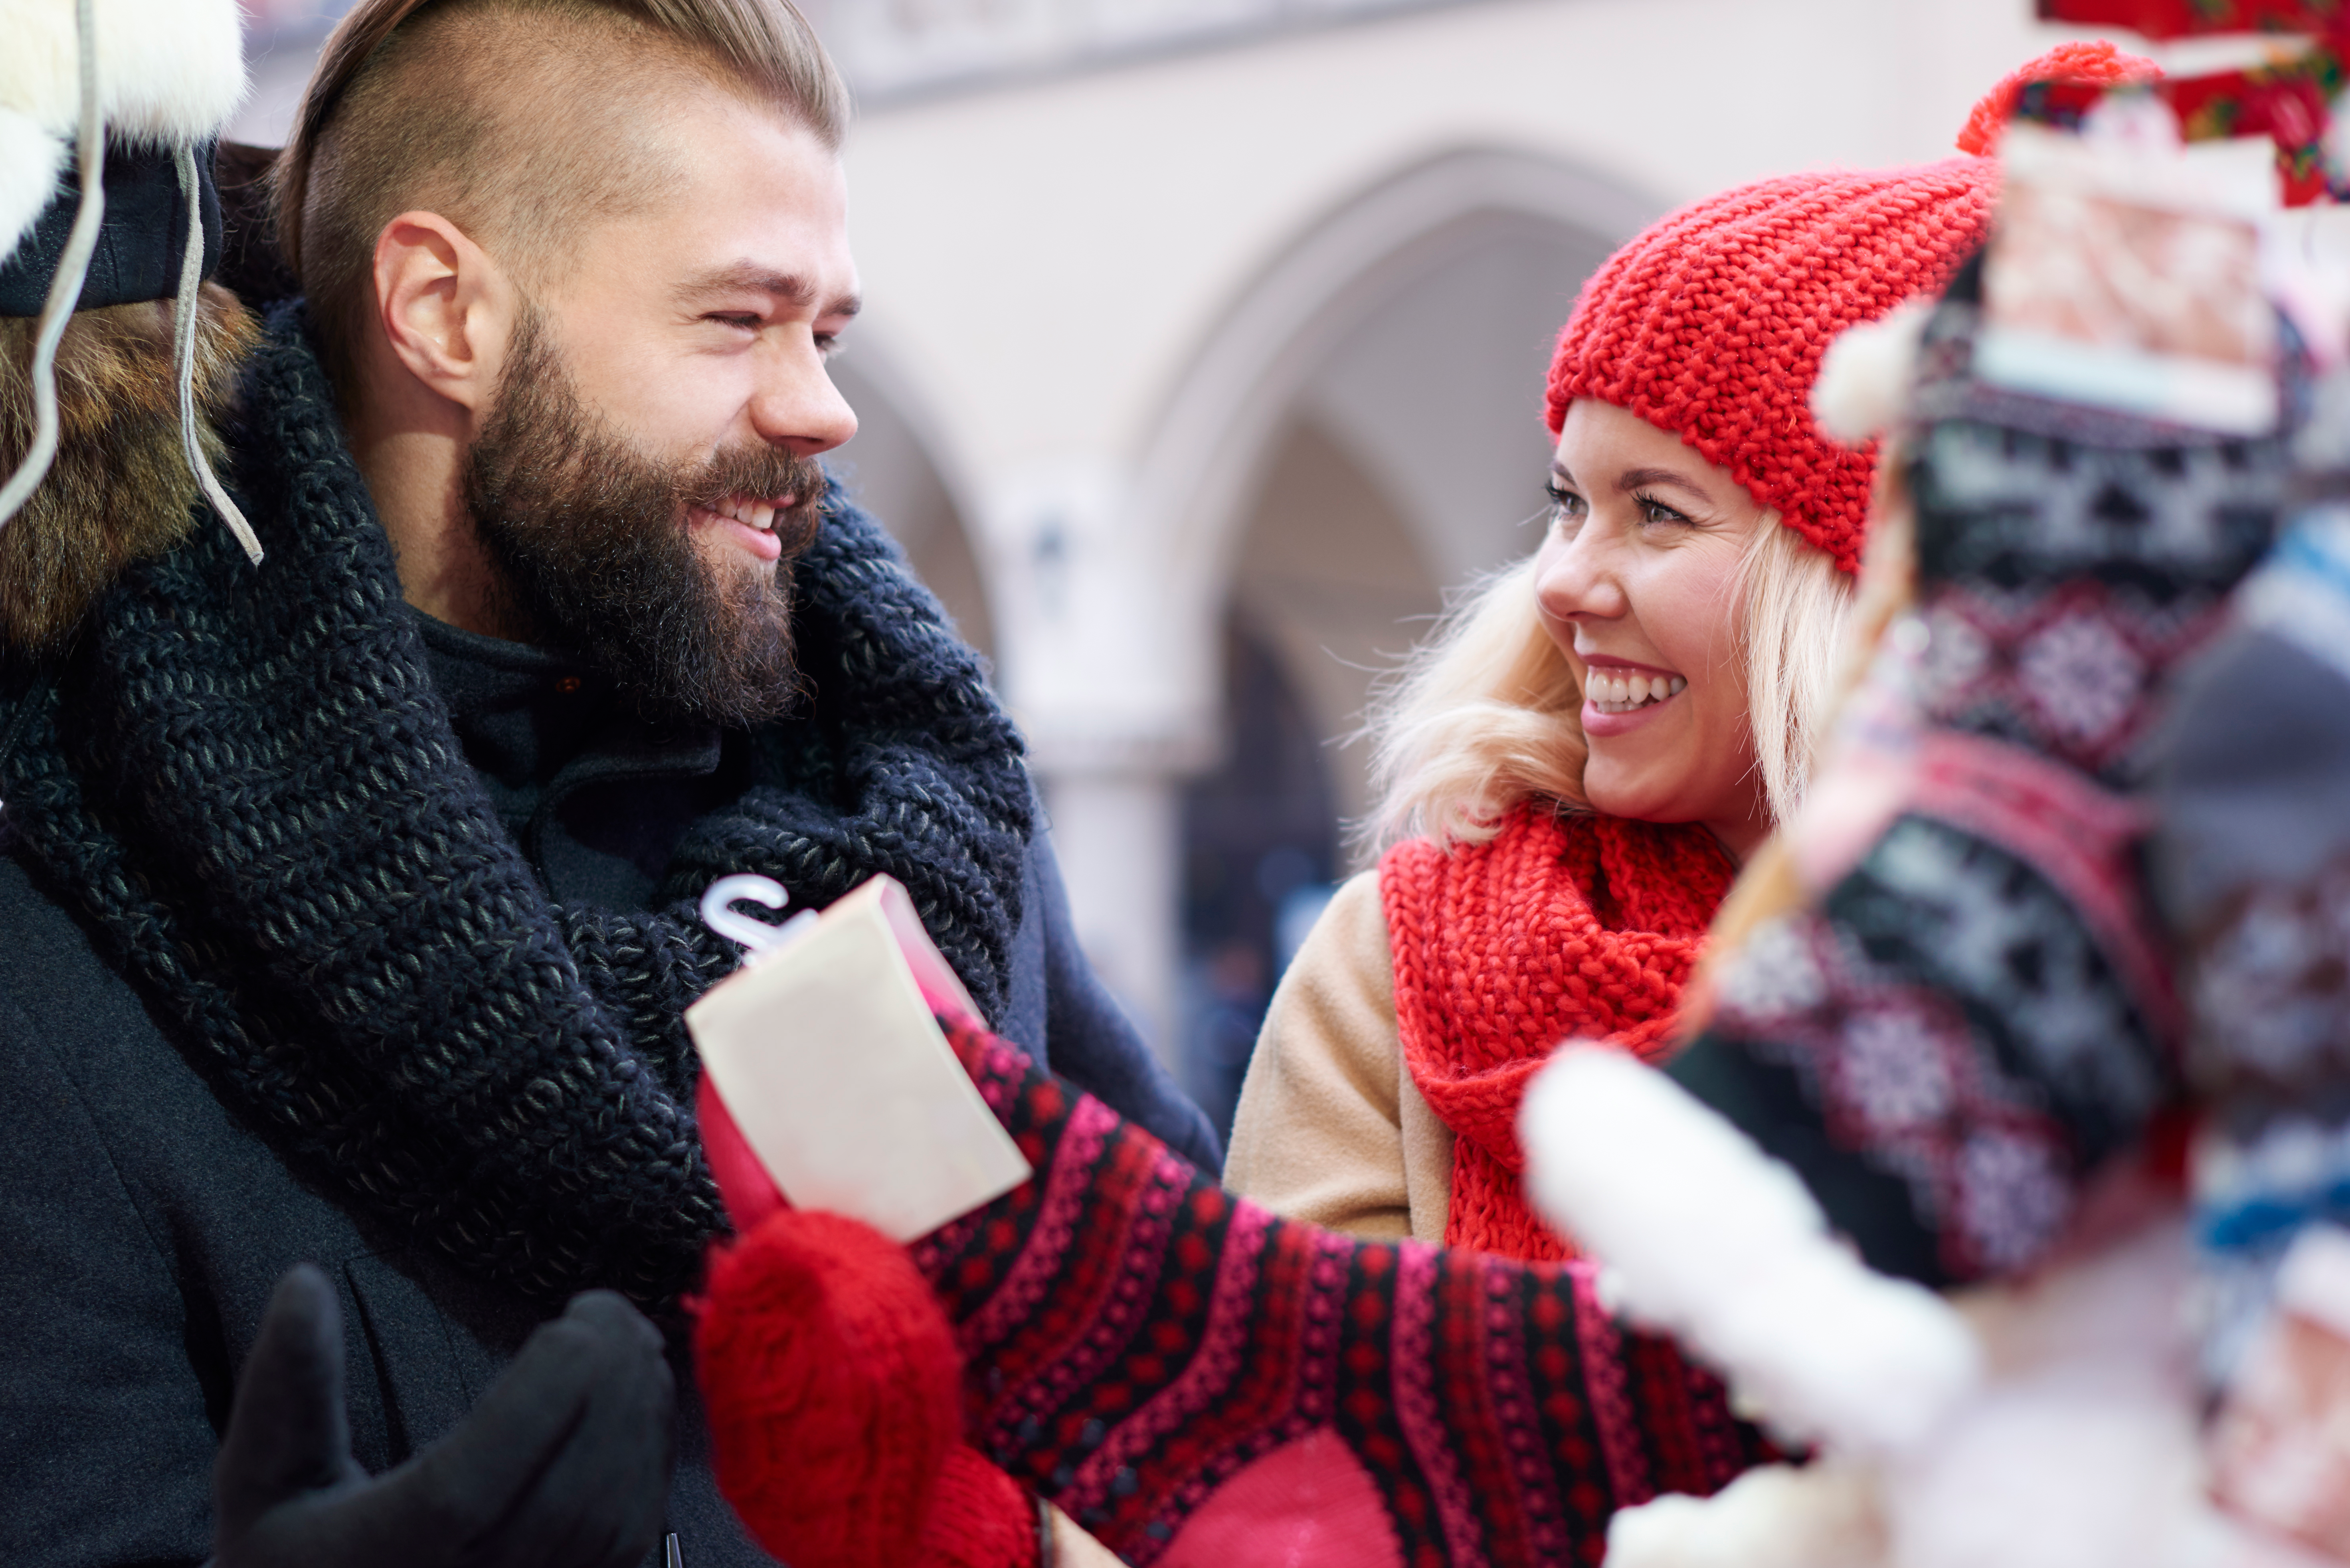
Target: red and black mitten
[1190, 1377]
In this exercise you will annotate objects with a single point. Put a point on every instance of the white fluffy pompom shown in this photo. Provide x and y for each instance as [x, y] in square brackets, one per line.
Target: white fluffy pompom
[1822, 1516]
[1707, 1237]
[1863, 386]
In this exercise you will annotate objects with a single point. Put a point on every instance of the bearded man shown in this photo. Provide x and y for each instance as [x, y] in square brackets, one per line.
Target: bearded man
[345, 901]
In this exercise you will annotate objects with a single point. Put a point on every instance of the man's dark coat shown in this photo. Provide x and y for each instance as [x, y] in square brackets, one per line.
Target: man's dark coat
[144, 1218]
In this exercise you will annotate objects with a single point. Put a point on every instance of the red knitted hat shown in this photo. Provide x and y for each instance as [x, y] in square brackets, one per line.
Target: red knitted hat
[1711, 324]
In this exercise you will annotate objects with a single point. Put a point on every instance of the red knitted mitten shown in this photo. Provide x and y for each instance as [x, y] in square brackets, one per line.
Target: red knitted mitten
[1195, 1382]
[835, 1410]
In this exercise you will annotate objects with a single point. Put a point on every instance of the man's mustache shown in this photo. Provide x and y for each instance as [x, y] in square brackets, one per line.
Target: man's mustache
[764, 473]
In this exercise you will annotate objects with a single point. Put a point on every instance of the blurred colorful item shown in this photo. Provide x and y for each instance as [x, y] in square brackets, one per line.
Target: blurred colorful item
[2289, 100]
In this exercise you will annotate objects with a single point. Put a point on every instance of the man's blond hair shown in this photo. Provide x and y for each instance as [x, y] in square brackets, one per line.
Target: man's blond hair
[517, 120]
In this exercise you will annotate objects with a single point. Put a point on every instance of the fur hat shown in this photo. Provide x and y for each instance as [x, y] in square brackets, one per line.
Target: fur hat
[128, 95]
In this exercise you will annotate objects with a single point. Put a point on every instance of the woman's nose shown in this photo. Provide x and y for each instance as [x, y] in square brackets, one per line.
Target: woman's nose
[1574, 578]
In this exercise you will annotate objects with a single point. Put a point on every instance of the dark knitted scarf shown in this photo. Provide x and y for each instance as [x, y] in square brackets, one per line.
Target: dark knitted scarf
[246, 784]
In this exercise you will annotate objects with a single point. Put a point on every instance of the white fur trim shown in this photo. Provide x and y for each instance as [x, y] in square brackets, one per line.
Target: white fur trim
[167, 71]
[1709, 1238]
[31, 160]
[1863, 386]
[1822, 1516]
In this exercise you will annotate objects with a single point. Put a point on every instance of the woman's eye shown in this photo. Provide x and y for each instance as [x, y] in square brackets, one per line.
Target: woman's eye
[1655, 511]
[1565, 505]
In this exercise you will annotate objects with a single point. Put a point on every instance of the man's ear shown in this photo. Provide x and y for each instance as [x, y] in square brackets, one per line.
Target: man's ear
[447, 309]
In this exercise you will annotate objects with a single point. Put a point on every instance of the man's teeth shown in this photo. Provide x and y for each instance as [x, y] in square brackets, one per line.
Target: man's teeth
[749, 513]
[1614, 693]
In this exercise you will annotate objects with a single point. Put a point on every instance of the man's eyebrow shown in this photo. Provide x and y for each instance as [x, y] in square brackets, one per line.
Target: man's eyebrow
[750, 277]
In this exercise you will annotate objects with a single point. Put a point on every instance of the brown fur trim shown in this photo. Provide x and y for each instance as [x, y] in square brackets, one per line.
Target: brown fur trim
[120, 490]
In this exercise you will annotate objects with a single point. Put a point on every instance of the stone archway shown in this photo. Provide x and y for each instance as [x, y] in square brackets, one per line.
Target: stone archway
[1359, 432]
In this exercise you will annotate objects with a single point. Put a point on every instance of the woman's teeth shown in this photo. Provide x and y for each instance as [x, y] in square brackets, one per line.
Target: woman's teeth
[1612, 692]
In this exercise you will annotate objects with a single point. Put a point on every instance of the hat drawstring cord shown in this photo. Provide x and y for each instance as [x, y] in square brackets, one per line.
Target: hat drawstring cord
[64, 289]
[184, 332]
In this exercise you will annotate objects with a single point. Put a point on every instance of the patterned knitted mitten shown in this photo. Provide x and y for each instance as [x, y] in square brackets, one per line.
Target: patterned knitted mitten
[1171, 1365]
[1973, 1012]
[1195, 1381]
[2252, 858]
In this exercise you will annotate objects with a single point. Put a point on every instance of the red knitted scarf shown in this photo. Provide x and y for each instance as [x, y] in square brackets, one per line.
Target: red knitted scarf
[1563, 926]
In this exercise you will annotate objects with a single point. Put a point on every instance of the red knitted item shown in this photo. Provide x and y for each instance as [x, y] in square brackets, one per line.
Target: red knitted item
[1711, 324]
[838, 1423]
[2095, 64]
[1563, 926]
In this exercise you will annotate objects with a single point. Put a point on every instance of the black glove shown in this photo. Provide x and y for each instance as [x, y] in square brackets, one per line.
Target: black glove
[564, 1464]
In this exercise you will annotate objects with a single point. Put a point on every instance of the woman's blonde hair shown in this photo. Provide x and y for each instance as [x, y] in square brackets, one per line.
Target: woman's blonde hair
[1486, 712]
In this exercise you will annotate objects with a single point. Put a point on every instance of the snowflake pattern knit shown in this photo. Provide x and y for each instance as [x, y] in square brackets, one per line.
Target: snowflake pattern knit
[2252, 858]
[1137, 1340]
[1563, 926]
[1977, 1012]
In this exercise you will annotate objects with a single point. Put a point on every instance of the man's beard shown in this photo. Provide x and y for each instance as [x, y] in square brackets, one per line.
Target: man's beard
[590, 540]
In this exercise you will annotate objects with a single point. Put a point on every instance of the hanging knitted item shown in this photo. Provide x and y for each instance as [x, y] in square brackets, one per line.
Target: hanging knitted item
[1561, 927]
[2289, 100]
[1974, 1014]
[2182, 18]
[2252, 856]
[1191, 1378]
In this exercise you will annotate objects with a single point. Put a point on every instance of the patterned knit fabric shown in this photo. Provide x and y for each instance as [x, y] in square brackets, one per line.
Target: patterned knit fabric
[246, 786]
[1563, 926]
[1976, 1013]
[1147, 1351]
[2253, 852]
[1711, 324]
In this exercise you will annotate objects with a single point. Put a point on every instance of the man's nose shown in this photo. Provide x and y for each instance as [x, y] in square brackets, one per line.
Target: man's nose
[797, 405]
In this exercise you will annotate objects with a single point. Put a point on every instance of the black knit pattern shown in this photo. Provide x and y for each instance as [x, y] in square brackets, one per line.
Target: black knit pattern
[247, 783]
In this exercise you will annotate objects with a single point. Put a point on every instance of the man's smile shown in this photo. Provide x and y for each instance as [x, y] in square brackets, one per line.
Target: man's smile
[747, 521]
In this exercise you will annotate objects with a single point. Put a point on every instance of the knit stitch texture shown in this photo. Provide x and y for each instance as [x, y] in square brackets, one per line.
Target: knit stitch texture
[1143, 1348]
[1563, 926]
[246, 786]
[1978, 1014]
[1711, 324]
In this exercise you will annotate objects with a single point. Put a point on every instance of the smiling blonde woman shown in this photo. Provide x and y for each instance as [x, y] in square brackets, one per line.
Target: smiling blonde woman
[1575, 766]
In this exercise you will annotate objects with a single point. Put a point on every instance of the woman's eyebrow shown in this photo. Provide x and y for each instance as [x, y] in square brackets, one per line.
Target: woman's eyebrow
[1649, 477]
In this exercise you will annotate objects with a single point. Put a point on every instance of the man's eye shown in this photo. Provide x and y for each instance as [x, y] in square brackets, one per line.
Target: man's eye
[829, 344]
[743, 319]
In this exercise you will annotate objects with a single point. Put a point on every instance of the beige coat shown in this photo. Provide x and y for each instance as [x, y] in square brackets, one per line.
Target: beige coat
[1330, 1127]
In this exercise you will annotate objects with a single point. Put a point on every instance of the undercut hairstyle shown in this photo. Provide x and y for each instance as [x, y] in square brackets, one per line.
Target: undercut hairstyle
[520, 121]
